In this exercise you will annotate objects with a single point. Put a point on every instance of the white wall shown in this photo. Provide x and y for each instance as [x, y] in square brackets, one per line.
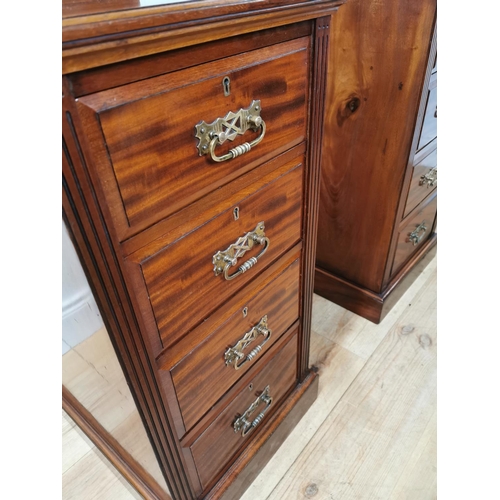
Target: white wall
[80, 315]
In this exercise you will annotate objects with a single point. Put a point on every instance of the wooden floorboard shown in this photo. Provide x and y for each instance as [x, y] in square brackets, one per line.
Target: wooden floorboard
[371, 434]
[92, 373]
[87, 474]
[366, 443]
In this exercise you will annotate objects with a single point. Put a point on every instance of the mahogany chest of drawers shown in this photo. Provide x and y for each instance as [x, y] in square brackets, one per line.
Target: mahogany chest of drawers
[191, 148]
[378, 199]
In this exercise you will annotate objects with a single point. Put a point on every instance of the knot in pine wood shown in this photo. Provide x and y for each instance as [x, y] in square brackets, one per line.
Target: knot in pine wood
[348, 108]
[311, 490]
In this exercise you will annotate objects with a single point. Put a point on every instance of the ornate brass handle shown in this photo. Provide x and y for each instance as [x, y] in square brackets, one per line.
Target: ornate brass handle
[242, 424]
[430, 178]
[212, 134]
[414, 235]
[234, 355]
[223, 261]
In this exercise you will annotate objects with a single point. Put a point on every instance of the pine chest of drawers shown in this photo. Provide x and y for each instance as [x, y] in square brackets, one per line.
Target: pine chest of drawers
[191, 146]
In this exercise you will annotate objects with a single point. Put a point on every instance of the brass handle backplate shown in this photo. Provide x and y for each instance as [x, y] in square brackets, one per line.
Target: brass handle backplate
[212, 134]
[235, 356]
[430, 178]
[415, 237]
[243, 424]
[224, 260]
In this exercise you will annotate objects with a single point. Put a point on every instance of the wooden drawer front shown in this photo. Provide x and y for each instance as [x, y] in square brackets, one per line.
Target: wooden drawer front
[219, 442]
[150, 162]
[429, 126]
[187, 263]
[420, 187]
[202, 377]
[406, 247]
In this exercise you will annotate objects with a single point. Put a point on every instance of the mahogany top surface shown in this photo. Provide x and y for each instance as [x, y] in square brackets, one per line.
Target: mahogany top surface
[193, 8]
[75, 8]
[104, 17]
[102, 32]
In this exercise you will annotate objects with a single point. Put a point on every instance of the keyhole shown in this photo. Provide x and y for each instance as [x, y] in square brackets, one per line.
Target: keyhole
[245, 312]
[226, 83]
[236, 213]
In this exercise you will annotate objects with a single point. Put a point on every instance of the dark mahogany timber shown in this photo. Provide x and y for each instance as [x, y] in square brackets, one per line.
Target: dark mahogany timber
[94, 80]
[147, 213]
[148, 169]
[202, 376]
[278, 205]
[90, 41]
[381, 58]
[280, 374]
[128, 467]
[240, 475]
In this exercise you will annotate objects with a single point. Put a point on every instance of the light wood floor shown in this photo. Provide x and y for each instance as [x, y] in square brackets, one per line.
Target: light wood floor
[370, 435]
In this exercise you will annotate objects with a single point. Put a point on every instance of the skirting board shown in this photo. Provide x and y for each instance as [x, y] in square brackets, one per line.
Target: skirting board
[370, 305]
[125, 464]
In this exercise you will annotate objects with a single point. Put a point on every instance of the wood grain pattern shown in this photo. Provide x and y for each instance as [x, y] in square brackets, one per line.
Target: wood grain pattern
[115, 75]
[202, 376]
[188, 262]
[377, 65]
[148, 128]
[425, 214]
[279, 373]
[171, 356]
[182, 10]
[418, 190]
[168, 230]
[81, 51]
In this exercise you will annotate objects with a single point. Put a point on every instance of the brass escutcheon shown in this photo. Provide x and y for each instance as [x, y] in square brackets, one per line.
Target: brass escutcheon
[430, 178]
[224, 260]
[235, 356]
[415, 237]
[212, 134]
[242, 424]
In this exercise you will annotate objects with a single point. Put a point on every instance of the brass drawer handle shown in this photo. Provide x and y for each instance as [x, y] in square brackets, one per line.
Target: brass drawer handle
[242, 424]
[234, 355]
[223, 261]
[430, 178]
[414, 235]
[212, 134]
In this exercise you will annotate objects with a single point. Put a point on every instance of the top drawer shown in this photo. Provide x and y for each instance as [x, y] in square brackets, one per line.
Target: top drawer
[142, 135]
